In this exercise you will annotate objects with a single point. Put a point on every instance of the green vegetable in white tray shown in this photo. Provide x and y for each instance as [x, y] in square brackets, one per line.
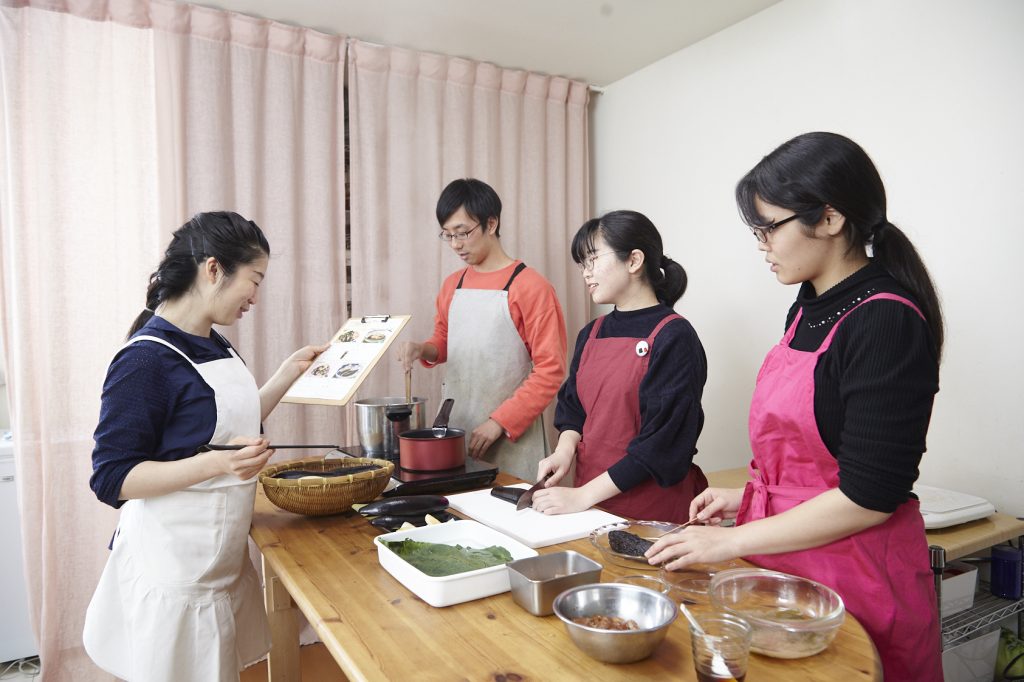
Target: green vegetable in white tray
[437, 560]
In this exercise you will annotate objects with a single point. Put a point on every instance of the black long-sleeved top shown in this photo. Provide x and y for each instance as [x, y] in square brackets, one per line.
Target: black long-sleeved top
[873, 388]
[671, 417]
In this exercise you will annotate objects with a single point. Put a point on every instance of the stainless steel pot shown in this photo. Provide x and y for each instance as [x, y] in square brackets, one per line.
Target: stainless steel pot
[380, 420]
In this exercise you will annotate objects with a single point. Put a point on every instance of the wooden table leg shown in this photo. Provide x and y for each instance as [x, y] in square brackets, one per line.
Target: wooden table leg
[283, 660]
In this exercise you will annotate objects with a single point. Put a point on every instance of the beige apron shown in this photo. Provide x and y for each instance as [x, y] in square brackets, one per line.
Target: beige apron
[487, 362]
[179, 599]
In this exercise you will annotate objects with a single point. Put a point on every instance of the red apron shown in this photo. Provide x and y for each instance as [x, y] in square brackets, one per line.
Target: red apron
[608, 384]
[882, 573]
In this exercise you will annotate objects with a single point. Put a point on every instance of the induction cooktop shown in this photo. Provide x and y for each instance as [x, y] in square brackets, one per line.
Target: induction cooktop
[473, 474]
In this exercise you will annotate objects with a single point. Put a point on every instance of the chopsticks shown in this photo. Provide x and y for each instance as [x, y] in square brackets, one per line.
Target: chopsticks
[210, 446]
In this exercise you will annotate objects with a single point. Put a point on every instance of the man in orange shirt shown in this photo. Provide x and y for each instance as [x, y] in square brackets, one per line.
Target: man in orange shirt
[500, 329]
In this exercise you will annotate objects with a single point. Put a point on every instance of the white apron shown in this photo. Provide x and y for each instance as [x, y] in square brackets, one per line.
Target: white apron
[487, 362]
[179, 599]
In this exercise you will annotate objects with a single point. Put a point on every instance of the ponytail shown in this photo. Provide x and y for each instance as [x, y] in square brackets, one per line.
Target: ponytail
[672, 284]
[892, 250]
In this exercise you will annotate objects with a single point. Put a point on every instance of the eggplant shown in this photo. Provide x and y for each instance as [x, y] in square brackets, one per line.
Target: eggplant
[411, 505]
[394, 521]
[508, 493]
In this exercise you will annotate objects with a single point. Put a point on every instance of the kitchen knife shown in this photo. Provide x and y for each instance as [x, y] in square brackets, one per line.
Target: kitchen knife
[527, 499]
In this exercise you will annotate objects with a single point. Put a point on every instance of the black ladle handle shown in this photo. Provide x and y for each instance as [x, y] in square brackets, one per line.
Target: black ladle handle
[440, 426]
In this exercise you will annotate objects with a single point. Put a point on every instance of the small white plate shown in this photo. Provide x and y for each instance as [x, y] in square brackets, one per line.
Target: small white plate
[461, 587]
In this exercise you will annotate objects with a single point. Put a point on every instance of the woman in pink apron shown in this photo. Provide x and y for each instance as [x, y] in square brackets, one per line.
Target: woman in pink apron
[841, 408]
[630, 413]
[179, 599]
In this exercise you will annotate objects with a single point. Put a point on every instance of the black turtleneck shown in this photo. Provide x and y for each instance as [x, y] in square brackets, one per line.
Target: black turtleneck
[873, 388]
[671, 417]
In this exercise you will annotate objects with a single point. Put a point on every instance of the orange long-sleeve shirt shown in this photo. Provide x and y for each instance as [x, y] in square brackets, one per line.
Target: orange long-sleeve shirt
[538, 318]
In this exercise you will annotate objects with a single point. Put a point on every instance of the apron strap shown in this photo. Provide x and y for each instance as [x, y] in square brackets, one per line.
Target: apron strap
[160, 341]
[596, 328]
[519, 268]
[657, 328]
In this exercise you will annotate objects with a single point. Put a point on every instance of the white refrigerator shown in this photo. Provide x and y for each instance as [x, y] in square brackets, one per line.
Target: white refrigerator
[16, 639]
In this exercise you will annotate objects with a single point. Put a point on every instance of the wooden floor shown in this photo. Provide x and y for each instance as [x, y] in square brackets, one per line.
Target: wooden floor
[317, 666]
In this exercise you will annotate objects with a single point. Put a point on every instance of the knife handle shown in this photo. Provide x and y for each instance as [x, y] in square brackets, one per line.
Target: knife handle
[508, 493]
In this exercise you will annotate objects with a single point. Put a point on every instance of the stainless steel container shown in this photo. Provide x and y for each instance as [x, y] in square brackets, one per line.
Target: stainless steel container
[651, 610]
[537, 580]
[378, 432]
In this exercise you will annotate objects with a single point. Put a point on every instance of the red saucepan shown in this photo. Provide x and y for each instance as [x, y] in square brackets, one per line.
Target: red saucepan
[433, 449]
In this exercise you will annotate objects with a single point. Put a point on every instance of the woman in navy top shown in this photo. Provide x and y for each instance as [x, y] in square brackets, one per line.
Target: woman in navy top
[179, 599]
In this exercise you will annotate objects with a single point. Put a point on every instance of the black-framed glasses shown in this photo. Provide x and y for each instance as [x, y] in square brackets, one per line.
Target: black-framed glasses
[457, 236]
[762, 232]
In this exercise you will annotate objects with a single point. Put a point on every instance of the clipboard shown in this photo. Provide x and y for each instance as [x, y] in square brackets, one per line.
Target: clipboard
[336, 374]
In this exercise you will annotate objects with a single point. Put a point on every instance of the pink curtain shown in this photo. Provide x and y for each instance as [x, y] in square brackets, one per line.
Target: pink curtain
[418, 121]
[119, 119]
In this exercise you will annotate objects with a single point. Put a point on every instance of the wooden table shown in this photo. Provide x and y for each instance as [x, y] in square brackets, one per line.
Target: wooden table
[377, 630]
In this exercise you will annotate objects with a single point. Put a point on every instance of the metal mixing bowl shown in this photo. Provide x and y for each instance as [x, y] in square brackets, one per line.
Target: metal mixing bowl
[790, 616]
[652, 611]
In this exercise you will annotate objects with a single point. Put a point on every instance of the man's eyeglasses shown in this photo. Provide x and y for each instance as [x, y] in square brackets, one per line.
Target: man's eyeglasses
[763, 231]
[457, 236]
[588, 263]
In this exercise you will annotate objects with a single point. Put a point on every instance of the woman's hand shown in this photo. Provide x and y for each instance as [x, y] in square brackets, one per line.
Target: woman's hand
[408, 353]
[557, 464]
[693, 545]
[290, 370]
[299, 361]
[244, 463]
[559, 500]
[714, 505]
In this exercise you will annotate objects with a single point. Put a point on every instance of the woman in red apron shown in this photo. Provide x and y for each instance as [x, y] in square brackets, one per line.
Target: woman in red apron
[629, 414]
[841, 407]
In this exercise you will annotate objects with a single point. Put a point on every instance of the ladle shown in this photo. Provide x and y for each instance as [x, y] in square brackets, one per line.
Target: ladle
[398, 413]
[440, 425]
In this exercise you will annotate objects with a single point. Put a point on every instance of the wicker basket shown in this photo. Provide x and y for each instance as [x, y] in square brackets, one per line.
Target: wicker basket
[329, 494]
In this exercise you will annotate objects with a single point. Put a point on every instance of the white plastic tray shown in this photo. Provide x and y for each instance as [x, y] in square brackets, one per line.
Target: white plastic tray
[461, 587]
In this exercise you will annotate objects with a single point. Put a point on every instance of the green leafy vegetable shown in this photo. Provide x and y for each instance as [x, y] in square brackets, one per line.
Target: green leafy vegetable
[438, 560]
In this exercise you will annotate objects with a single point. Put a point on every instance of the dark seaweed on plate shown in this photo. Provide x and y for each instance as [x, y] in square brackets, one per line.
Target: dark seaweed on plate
[630, 544]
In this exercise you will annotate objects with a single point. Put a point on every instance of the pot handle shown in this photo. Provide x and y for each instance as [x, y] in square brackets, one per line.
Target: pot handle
[441, 421]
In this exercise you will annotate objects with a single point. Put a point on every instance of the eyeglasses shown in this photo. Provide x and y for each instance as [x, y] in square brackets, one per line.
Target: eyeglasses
[588, 263]
[763, 231]
[457, 236]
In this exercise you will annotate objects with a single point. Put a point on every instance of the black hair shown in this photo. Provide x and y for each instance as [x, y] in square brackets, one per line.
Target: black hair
[477, 197]
[226, 236]
[624, 231]
[816, 170]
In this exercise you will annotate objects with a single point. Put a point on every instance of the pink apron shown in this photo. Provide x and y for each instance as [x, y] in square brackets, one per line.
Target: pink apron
[608, 383]
[882, 573]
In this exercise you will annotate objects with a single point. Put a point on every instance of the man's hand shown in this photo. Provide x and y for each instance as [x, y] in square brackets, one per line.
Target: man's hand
[483, 437]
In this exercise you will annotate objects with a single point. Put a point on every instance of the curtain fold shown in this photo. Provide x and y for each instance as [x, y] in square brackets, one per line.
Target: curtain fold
[419, 120]
[120, 119]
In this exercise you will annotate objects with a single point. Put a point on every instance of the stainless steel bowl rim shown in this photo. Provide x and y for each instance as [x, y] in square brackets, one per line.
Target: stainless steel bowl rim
[831, 619]
[618, 587]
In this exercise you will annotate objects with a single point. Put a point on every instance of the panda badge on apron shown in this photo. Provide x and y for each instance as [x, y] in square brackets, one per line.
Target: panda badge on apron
[179, 600]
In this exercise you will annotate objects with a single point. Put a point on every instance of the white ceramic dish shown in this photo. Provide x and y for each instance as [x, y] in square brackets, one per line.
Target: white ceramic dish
[461, 587]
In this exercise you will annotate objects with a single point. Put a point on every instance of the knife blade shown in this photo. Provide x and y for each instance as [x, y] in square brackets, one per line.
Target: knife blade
[527, 499]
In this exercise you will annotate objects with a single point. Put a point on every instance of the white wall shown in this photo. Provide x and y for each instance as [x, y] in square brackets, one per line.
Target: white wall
[934, 91]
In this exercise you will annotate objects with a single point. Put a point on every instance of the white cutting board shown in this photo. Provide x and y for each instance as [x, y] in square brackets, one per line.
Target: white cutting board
[531, 528]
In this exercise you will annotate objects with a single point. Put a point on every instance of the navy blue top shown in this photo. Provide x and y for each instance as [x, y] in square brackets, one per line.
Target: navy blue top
[155, 406]
[671, 416]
